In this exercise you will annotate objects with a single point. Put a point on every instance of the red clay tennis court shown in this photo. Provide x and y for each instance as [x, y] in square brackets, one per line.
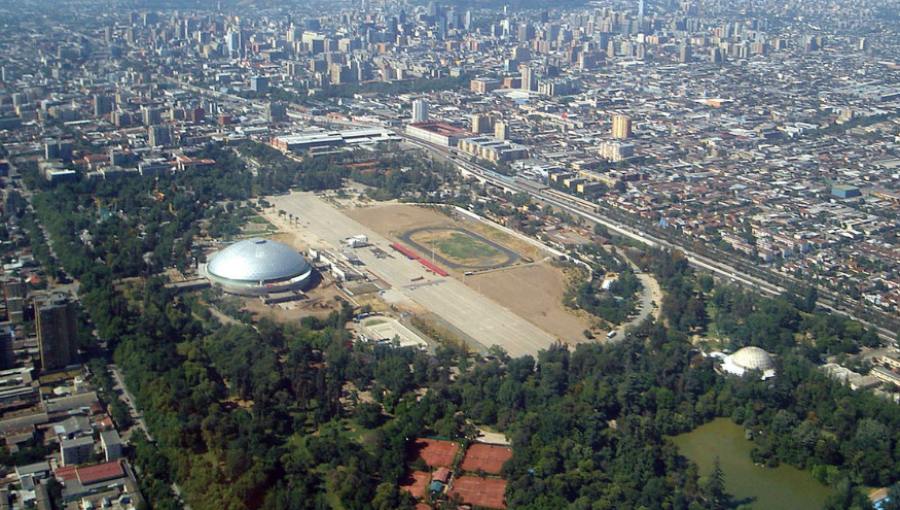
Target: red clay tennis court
[435, 453]
[415, 483]
[489, 458]
[480, 491]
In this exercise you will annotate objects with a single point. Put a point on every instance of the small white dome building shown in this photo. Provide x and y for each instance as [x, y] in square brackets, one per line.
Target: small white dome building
[257, 267]
[748, 359]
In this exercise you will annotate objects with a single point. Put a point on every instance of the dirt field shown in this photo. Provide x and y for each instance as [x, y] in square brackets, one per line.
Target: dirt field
[434, 453]
[480, 491]
[488, 458]
[415, 483]
[533, 292]
[391, 219]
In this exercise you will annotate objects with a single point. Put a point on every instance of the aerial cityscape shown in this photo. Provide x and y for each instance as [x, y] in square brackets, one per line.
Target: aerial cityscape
[385, 254]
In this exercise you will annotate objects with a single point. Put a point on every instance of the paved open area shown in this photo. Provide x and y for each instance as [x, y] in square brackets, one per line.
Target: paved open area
[379, 328]
[477, 316]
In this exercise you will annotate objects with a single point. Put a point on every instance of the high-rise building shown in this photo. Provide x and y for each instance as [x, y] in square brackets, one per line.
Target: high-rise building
[501, 130]
[235, 43]
[526, 32]
[159, 136]
[56, 332]
[685, 53]
[482, 123]
[621, 126]
[259, 84]
[150, 115]
[277, 112]
[103, 105]
[419, 110]
[527, 78]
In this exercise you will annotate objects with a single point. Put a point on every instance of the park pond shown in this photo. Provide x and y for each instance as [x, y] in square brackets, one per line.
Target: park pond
[781, 488]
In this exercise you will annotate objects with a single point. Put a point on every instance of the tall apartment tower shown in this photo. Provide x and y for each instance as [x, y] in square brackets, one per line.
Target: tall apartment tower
[419, 110]
[56, 332]
[621, 126]
[482, 123]
[501, 130]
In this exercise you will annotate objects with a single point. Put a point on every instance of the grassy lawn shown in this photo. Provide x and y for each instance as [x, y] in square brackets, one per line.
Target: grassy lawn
[461, 246]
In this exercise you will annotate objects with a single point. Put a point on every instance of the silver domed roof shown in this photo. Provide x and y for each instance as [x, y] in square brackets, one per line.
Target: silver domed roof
[257, 260]
[753, 358]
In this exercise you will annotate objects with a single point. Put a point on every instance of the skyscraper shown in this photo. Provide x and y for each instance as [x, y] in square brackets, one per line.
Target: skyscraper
[419, 110]
[56, 332]
[621, 126]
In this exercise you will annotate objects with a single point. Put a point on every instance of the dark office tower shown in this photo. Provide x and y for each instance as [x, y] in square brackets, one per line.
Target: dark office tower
[715, 56]
[685, 52]
[402, 17]
[454, 20]
[259, 84]
[7, 356]
[434, 10]
[277, 112]
[56, 332]
[545, 17]
[526, 32]
[312, 25]
[103, 105]
[149, 18]
[150, 115]
[159, 136]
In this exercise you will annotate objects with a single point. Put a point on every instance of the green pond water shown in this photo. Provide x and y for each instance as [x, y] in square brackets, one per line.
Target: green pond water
[781, 488]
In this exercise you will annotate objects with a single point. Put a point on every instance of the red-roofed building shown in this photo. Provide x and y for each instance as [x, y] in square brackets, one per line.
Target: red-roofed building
[100, 473]
[441, 475]
[66, 473]
[183, 162]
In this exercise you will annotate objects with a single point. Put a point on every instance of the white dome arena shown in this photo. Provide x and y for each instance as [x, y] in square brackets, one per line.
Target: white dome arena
[256, 267]
[747, 359]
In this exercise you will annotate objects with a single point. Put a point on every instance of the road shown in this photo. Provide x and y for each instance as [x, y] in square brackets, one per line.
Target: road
[475, 315]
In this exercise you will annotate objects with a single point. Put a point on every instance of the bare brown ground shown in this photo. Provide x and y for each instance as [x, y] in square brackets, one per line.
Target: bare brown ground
[319, 303]
[391, 219]
[535, 293]
[532, 292]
